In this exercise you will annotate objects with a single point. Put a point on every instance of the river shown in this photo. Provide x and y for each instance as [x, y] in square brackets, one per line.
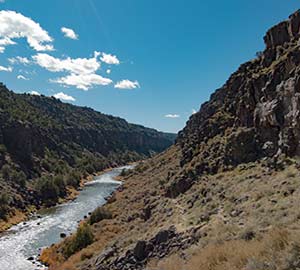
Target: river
[26, 239]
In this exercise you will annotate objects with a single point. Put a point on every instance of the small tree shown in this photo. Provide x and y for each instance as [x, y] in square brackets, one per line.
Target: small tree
[60, 184]
[99, 214]
[4, 205]
[73, 178]
[6, 172]
[18, 177]
[47, 189]
[83, 237]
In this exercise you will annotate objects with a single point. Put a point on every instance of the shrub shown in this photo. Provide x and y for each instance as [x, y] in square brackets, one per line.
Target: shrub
[83, 238]
[46, 165]
[18, 177]
[141, 167]
[60, 183]
[4, 205]
[6, 172]
[47, 189]
[99, 214]
[73, 178]
[123, 172]
[3, 149]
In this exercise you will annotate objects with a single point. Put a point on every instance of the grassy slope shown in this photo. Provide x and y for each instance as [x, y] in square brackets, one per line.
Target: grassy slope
[263, 205]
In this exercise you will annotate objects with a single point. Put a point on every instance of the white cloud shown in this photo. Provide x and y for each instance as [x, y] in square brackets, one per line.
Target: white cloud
[19, 59]
[21, 77]
[82, 70]
[76, 66]
[108, 71]
[28, 72]
[110, 59]
[7, 69]
[63, 96]
[69, 33]
[126, 84]
[194, 111]
[34, 93]
[172, 115]
[15, 25]
[83, 81]
[5, 42]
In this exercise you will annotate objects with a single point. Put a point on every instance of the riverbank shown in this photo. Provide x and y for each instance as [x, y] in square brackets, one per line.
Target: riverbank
[23, 243]
[19, 216]
[151, 230]
[131, 214]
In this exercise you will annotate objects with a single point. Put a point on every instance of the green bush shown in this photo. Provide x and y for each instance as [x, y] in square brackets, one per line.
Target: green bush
[4, 205]
[5, 171]
[126, 172]
[3, 149]
[73, 178]
[18, 177]
[99, 214]
[47, 189]
[83, 237]
[58, 181]
[46, 164]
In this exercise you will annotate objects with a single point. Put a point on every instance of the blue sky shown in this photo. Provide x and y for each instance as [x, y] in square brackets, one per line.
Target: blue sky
[165, 57]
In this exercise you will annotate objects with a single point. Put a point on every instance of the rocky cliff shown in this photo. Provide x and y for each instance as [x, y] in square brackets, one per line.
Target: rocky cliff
[256, 113]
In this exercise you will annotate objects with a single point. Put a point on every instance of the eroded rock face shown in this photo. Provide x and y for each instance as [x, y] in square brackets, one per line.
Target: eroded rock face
[255, 114]
[278, 35]
[284, 32]
[294, 25]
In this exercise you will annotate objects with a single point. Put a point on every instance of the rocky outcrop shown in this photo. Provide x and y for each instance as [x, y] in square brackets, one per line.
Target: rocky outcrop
[163, 244]
[179, 186]
[284, 32]
[278, 35]
[256, 114]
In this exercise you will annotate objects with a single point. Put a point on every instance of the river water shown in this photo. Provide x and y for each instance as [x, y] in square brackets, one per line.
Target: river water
[26, 240]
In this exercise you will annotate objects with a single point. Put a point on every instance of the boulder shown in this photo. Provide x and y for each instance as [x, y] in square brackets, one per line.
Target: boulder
[140, 251]
[179, 186]
[162, 237]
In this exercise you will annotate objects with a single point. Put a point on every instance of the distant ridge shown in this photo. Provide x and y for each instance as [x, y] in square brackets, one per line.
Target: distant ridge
[45, 141]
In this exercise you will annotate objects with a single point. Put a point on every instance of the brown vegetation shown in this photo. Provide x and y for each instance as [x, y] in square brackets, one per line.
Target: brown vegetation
[277, 249]
[228, 191]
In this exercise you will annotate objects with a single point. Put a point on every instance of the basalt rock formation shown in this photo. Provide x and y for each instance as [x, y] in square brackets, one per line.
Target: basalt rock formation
[256, 113]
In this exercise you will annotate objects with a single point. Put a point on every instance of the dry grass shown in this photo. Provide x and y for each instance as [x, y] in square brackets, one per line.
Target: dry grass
[16, 218]
[277, 250]
[104, 234]
[227, 207]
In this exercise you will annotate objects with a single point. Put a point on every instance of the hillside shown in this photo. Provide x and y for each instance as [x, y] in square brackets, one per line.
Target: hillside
[47, 146]
[226, 195]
